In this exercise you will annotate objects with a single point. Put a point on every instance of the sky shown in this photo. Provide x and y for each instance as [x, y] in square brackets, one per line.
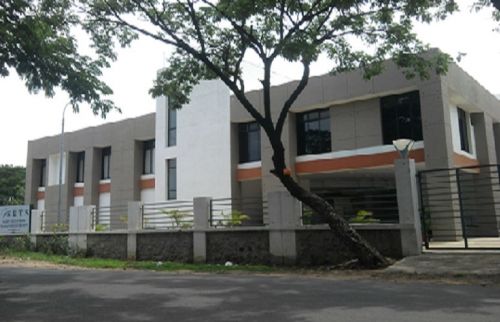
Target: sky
[25, 116]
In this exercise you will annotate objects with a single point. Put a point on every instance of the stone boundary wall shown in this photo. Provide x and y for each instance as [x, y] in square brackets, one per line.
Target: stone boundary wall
[319, 247]
[314, 246]
[165, 246]
[241, 247]
[105, 245]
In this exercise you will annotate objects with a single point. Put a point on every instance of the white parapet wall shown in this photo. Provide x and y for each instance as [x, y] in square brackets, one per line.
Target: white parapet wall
[202, 151]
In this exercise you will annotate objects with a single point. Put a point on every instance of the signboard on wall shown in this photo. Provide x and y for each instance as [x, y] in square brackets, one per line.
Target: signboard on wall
[14, 220]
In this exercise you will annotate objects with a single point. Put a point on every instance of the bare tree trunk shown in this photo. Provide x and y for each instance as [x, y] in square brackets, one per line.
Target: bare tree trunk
[367, 255]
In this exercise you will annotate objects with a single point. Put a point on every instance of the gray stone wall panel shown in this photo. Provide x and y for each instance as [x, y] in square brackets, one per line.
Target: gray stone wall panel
[107, 245]
[172, 246]
[320, 247]
[239, 247]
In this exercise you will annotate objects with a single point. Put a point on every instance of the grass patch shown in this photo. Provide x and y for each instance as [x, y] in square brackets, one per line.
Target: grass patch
[90, 262]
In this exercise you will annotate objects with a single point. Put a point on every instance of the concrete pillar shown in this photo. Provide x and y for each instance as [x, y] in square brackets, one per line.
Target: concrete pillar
[409, 218]
[134, 223]
[483, 214]
[496, 133]
[284, 218]
[91, 176]
[125, 154]
[436, 123]
[35, 225]
[202, 209]
[36, 221]
[80, 224]
[437, 134]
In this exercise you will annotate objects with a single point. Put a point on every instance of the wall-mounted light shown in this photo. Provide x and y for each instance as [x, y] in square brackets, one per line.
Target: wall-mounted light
[403, 146]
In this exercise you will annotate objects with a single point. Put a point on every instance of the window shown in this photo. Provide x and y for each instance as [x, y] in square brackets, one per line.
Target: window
[172, 126]
[43, 173]
[313, 132]
[105, 163]
[463, 128]
[80, 166]
[401, 117]
[249, 142]
[148, 157]
[172, 179]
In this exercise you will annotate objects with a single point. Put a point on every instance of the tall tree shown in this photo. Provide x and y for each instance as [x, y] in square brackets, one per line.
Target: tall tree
[36, 41]
[11, 185]
[481, 4]
[212, 38]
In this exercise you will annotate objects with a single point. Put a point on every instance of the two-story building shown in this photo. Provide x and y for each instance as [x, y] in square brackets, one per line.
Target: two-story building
[338, 139]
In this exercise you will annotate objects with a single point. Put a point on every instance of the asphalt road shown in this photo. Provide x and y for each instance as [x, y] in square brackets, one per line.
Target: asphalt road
[28, 294]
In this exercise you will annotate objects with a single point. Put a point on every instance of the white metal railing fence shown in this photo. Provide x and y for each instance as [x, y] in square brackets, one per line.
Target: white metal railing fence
[178, 214]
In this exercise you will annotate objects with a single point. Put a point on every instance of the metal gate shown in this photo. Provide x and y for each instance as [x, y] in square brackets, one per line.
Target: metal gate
[460, 207]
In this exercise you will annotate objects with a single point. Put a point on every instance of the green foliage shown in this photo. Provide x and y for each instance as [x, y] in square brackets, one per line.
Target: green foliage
[101, 227]
[145, 265]
[495, 4]
[212, 38]
[17, 243]
[12, 185]
[307, 216]
[54, 228]
[53, 244]
[38, 44]
[364, 217]
[234, 218]
[178, 217]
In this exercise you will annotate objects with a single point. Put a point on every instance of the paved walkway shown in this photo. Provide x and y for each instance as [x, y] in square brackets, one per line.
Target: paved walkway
[483, 242]
[482, 265]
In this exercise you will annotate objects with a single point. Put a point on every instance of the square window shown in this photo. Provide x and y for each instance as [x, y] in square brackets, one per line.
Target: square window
[313, 132]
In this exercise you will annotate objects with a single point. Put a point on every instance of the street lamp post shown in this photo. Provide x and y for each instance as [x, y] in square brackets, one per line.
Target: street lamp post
[403, 146]
[61, 152]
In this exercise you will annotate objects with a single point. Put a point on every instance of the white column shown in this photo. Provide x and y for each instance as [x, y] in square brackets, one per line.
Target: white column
[202, 210]
[134, 225]
[409, 217]
[284, 219]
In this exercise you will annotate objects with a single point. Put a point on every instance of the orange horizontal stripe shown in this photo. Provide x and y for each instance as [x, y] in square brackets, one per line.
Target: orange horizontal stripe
[105, 187]
[147, 184]
[77, 191]
[354, 162]
[40, 195]
[460, 160]
[248, 174]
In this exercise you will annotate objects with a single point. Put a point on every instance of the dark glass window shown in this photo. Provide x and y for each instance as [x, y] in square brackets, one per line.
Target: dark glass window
[401, 117]
[80, 166]
[172, 179]
[148, 157]
[105, 163]
[172, 126]
[249, 142]
[463, 128]
[313, 132]
[43, 173]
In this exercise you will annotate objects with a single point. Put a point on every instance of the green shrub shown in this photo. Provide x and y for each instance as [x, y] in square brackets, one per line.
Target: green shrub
[54, 244]
[18, 243]
[101, 227]
[178, 217]
[235, 218]
[364, 217]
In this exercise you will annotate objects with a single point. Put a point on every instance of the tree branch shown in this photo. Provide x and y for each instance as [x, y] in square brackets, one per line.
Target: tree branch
[196, 23]
[295, 94]
[181, 44]
[254, 42]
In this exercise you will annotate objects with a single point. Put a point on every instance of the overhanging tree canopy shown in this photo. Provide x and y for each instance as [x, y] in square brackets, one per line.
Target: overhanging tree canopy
[36, 41]
[11, 185]
[212, 38]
